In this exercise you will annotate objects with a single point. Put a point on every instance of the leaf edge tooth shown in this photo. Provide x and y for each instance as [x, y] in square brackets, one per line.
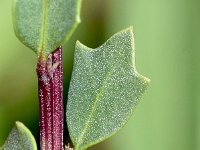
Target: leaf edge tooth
[129, 29]
[144, 80]
[147, 82]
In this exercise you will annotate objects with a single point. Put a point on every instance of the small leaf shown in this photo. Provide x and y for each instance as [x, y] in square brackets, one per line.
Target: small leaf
[20, 138]
[44, 25]
[104, 90]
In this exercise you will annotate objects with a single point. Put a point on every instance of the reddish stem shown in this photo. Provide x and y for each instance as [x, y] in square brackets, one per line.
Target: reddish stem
[50, 92]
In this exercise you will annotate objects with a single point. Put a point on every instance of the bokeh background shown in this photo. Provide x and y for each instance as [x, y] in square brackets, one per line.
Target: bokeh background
[167, 39]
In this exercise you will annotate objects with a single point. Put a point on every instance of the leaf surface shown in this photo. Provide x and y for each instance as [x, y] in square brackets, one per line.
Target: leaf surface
[104, 90]
[44, 25]
[20, 138]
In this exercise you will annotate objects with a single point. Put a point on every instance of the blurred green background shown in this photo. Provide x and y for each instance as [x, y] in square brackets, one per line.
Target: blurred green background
[167, 39]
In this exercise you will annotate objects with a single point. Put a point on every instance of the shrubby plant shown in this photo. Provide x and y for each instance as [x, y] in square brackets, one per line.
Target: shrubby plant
[104, 89]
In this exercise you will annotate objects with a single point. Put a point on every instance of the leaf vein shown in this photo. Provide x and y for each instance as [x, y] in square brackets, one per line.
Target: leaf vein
[44, 25]
[97, 99]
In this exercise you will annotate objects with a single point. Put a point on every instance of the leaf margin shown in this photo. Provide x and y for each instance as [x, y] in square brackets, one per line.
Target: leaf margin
[145, 80]
[21, 129]
[39, 51]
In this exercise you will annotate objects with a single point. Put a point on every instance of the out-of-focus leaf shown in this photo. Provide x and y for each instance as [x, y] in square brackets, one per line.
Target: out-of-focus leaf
[44, 25]
[104, 90]
[20, 138]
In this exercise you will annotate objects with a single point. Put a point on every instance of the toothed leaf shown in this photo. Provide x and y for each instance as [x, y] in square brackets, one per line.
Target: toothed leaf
[104, 90]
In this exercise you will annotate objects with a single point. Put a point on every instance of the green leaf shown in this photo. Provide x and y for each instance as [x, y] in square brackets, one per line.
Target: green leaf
[20, 138]
[44, 25]
[104, 90]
